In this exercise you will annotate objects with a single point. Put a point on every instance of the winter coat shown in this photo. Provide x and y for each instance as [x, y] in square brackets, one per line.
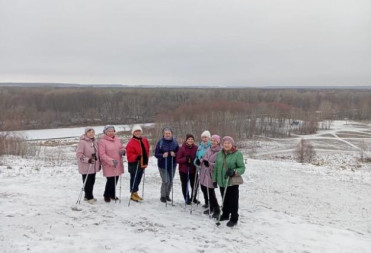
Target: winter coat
[233, 160]
[85, 148]
[162, 147]
[181, 158]
[134, 149]
[202, 148]
[109, 150]
[207, 172]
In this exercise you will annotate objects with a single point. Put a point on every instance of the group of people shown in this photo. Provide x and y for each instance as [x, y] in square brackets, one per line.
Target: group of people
[214, 163]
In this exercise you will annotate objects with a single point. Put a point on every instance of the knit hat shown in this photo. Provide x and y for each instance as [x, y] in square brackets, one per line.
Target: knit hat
[206, 133]
[216, 137]
[230, 139]
[136, 128]
[190, 136]
[108, 127]
[87, 129]
[167, 129]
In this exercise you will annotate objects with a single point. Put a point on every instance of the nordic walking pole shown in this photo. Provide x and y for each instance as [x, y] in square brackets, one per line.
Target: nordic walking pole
[166, 176]
[187, 190]
[120, 190]
[194, 195]
[198, 188]
[132, 187]
[82, 189]
[144, 178]
[115, 182]
[172, 181]
[221, 211]
[208, 195]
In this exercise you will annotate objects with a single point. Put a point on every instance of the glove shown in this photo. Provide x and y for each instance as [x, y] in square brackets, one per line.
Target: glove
[198, 163]
[215, 184]
[206, 163]
[115, 162]
[122, 152]
[172, 153]
[166, 154]
[91, 160]
[230, 173]
[94, 156]
[139, 157]
[189, 160]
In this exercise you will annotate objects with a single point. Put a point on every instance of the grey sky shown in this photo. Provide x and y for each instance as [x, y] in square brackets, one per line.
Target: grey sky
[249, 42]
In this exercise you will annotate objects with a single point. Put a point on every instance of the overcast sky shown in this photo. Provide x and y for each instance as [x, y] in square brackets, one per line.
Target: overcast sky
[186, 42]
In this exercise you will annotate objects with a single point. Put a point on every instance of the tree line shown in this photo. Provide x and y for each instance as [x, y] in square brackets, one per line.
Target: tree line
[246, 112]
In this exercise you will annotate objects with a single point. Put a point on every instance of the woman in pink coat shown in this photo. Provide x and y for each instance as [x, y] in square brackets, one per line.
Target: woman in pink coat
[206, 181]
[88, 162]
[111, 151]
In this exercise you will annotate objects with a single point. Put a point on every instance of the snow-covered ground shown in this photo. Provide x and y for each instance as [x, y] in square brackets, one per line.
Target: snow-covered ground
[284, 207]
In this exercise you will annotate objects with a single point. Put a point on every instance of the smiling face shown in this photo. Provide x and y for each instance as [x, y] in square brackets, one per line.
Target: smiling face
[90, 134]
[168, 134]
[137, 133]
[214, 142]
[227, 145]
[205, 139]
[110, 133]
[190, 141]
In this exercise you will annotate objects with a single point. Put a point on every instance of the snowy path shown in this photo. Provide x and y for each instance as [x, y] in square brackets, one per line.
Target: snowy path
[284, 207]
[325, 135]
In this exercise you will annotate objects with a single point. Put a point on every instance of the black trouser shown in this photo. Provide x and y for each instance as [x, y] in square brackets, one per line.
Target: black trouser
[133, 169]
[109, 192]
[230, 205]
[88, 189]
[184, 180]
[214, 206]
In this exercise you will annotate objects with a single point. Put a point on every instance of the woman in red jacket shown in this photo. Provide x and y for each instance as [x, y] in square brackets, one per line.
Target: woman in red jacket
[137, 152]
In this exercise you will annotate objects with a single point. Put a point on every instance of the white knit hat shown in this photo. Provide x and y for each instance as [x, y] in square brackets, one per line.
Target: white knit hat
[206, 133]
[136, 128]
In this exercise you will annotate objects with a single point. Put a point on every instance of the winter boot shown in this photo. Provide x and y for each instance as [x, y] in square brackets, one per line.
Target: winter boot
[87, 200]
[205, 206]
[107, 199]
[231, 223]
[137, 196]
[134, 197]
[168, 198]
[163, 199]
[115, 199]
[91, 201]
[216, 214]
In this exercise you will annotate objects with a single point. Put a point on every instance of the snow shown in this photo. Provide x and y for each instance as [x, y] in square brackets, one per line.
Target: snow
[43, 134]
[284, 207]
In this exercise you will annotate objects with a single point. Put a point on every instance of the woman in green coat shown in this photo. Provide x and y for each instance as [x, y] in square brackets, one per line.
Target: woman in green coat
[229, 167]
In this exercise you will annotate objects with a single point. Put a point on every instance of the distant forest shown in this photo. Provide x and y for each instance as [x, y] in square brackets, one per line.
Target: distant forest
[247, 111]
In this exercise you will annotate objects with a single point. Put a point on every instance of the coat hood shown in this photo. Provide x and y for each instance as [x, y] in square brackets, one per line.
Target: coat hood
[86, 138]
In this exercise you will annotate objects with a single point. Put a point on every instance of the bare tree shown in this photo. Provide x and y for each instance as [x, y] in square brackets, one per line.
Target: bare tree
[304, 152]
[362, 147]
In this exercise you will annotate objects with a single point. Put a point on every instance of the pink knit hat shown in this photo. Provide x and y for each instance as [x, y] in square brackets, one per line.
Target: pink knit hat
[216, 137]
[230, 139]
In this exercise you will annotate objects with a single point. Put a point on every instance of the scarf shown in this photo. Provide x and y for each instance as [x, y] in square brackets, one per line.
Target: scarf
[144, 158]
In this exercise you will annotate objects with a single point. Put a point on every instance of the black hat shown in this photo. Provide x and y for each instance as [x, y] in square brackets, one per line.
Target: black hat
[190, 136]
